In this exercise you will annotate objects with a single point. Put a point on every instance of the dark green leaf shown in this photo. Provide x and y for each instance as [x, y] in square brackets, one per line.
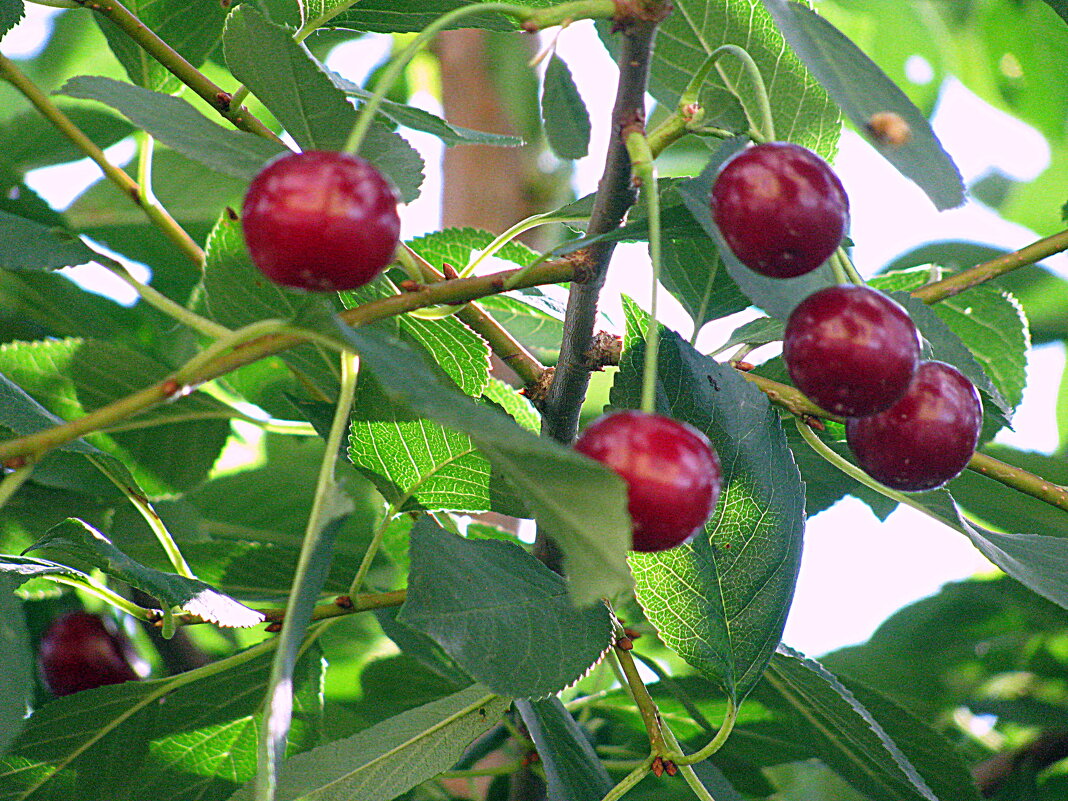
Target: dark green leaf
[419, 120]
[178, 125]
[554, 482]
[842, 731]
[567, 123]
[29, 140]
[29, 245]
[776, 296]
[391, 757]
[190, 27]
[802, 111]
[16, 663]
[299, 92]
[862, 90]
[81, 541]
[489, 626]
[71, 377]
[536, 321]
[172, 738]
[238, 294]
[24, 415]
[1060, 6]
[721, 600]
[573, 772]
[694, 274]
[406, 16]
[11, 11]
[756, 332]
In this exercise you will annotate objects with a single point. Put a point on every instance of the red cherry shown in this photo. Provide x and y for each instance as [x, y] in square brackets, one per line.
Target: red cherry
[781, 209]
[851, 349]
[672, 473]
[924, 439]
[79, 651]
[321, 221]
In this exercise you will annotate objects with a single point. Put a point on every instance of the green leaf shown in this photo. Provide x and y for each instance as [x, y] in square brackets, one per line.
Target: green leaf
[776, 296]
[756, 332]
[457, 246]
[190, 27]
[554, 482]
[694, 274]
[28, 140]
[567, 123]
[419, 120]
[381, 762]
[178, 125]
[850, 740]
[408, 16]
[16, 664]
[1060, 6]
[238, 294]
[721, 600]
[299, 92]
[23, 415]
[11, 11]
[29, 245]
[535, 320]
[573, 771]
[71, 377]
[861, 89]
[176, 738]
[490, 626]
[79, 540]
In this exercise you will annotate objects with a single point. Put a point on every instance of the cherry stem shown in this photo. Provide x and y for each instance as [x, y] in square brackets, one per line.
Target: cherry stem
[644, 169]
[966, 279]
[763, 132]
[329, 504]
[178, 66]
[155, 213]
[630, 780]
[398, 64]
[519, 228]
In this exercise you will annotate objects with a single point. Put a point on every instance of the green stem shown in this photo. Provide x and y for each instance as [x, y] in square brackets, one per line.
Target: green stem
[691, 778]
[644, 168]
[520, 227]
[716, 742]
[629, 781]
[324, 509]
[646, 706]
[680, 695]
[156, 214]
[396, 66]
[357, 603]
[692, 94]
[1036, 251]
[105, 594]
[852, 274]
[178, 66]
[154, 521]
[840, 275]
[372, 549]
[200, 370]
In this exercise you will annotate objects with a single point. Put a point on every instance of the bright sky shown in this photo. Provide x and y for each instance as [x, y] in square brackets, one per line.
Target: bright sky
[855, 571]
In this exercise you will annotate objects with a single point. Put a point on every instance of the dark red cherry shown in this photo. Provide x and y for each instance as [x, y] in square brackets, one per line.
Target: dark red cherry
[851, 350]
[672, 473]
[780, 208]
[924, 439]
[80, 651]
[321, 221]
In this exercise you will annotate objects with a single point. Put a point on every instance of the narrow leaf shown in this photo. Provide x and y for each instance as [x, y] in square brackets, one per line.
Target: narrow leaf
[292, 83]
[776, 296]
[82, 541]
[573, 771]
[721, 600]
[29, 245]
[567, 123]
[381, 762]
[178, 125]
[862, 90]
[516, 629]
[16, 664]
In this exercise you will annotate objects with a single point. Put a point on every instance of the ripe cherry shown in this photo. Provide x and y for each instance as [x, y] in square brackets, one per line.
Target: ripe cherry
[321, 221]
[924, 439]
[80, 651]
[781, 209]
[672, 473]
[851, 349]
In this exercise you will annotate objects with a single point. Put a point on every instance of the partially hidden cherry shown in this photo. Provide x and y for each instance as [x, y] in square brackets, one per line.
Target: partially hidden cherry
[927, 437]
[852, 350]
[320, 221]
[780, 208]
[672, 473]
[79, 652]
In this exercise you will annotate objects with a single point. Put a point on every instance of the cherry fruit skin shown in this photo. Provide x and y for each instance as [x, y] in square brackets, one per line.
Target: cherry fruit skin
[924, 439]
[320, 221]
[781, 209]
[80, 652]
[852, 350]
[672, 472]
